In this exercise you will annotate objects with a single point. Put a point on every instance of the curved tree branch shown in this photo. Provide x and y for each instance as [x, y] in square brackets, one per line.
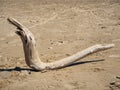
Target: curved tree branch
[31, 55]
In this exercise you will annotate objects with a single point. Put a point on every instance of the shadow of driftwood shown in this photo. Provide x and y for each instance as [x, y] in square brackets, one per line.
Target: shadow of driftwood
[84, 62]
[19, 69]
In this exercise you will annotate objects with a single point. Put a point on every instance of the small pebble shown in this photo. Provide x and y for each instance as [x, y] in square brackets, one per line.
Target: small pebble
[118, 77]
[29, 72]
[50, 48]
[60, 41]
[112, 83]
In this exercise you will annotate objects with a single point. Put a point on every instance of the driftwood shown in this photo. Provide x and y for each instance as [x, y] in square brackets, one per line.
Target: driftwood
[31, 55]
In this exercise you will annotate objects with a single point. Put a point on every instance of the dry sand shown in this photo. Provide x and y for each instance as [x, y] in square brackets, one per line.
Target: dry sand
[61, 28]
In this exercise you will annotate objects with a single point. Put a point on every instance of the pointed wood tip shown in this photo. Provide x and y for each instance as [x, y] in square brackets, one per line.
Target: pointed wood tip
[110, 45]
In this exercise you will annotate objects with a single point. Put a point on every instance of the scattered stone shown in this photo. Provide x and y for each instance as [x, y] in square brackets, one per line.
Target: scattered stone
[50, 48]
[118, 77]
[60, 41]
[29, 72]
[112, 83]
[115, 85]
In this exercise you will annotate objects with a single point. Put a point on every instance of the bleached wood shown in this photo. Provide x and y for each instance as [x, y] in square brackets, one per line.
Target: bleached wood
[31, 55]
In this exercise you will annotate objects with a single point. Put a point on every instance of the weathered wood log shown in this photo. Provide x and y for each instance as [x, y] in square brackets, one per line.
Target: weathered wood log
[31, 55]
